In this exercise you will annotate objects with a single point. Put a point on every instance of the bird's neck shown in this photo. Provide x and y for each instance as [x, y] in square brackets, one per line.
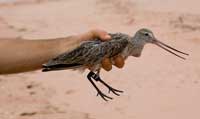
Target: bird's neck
[135, 47]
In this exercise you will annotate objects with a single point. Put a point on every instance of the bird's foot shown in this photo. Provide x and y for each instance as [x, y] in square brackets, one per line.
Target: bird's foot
[111, 89]
[105, 97]
[97, 78]
[114, 91]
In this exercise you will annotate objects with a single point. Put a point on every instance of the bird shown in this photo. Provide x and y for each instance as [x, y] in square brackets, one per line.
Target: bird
[92, 53]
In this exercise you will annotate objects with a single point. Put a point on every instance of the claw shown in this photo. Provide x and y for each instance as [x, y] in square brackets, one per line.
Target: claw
[104, 96]
[110, 89]
[114, 92]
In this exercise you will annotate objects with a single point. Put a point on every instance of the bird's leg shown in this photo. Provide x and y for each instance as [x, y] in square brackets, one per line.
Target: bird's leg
[90, 76]
[98, 72]
[97, 78]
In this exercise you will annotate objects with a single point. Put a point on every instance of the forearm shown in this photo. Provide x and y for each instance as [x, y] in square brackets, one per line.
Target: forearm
[18, 55]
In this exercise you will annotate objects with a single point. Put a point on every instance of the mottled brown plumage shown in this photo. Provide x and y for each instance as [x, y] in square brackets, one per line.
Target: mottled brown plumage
[91, 53]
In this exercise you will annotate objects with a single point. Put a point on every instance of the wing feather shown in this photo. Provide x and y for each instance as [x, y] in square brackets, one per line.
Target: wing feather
[90, 53]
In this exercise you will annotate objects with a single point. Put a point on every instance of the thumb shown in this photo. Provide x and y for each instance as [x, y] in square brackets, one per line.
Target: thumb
[101, 34]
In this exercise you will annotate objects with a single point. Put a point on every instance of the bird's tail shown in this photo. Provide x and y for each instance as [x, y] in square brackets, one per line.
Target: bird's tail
[57, 67]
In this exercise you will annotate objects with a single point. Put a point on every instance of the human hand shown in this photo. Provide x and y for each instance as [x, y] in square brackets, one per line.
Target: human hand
[106, 63]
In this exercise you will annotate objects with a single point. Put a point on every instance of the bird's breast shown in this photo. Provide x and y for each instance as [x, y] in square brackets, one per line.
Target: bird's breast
[126, 52]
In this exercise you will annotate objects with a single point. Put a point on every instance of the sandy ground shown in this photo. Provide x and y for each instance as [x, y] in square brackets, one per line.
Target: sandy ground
[157, 85]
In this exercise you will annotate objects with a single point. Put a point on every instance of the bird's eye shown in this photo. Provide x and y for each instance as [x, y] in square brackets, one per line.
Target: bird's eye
[146, 34]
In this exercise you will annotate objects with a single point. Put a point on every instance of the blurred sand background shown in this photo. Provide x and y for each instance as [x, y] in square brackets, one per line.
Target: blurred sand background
[157, 85]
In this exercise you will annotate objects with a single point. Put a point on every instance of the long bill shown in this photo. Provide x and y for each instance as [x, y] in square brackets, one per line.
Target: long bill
[170, 49]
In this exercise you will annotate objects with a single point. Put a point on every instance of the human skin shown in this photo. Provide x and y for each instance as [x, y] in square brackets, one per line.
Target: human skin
[20, 55]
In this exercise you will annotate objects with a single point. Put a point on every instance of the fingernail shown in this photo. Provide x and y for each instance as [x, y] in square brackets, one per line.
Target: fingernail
[108, 37]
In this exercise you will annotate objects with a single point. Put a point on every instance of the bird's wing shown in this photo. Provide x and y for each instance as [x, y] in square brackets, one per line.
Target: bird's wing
[73, 59]
[88, 53]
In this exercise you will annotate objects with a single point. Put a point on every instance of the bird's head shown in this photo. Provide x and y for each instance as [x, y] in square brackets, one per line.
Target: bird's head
[144, 36]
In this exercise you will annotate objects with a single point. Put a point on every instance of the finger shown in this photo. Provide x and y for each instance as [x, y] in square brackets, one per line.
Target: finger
[119, 61]
[106, 64]
[103, 35]
[93, 34]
